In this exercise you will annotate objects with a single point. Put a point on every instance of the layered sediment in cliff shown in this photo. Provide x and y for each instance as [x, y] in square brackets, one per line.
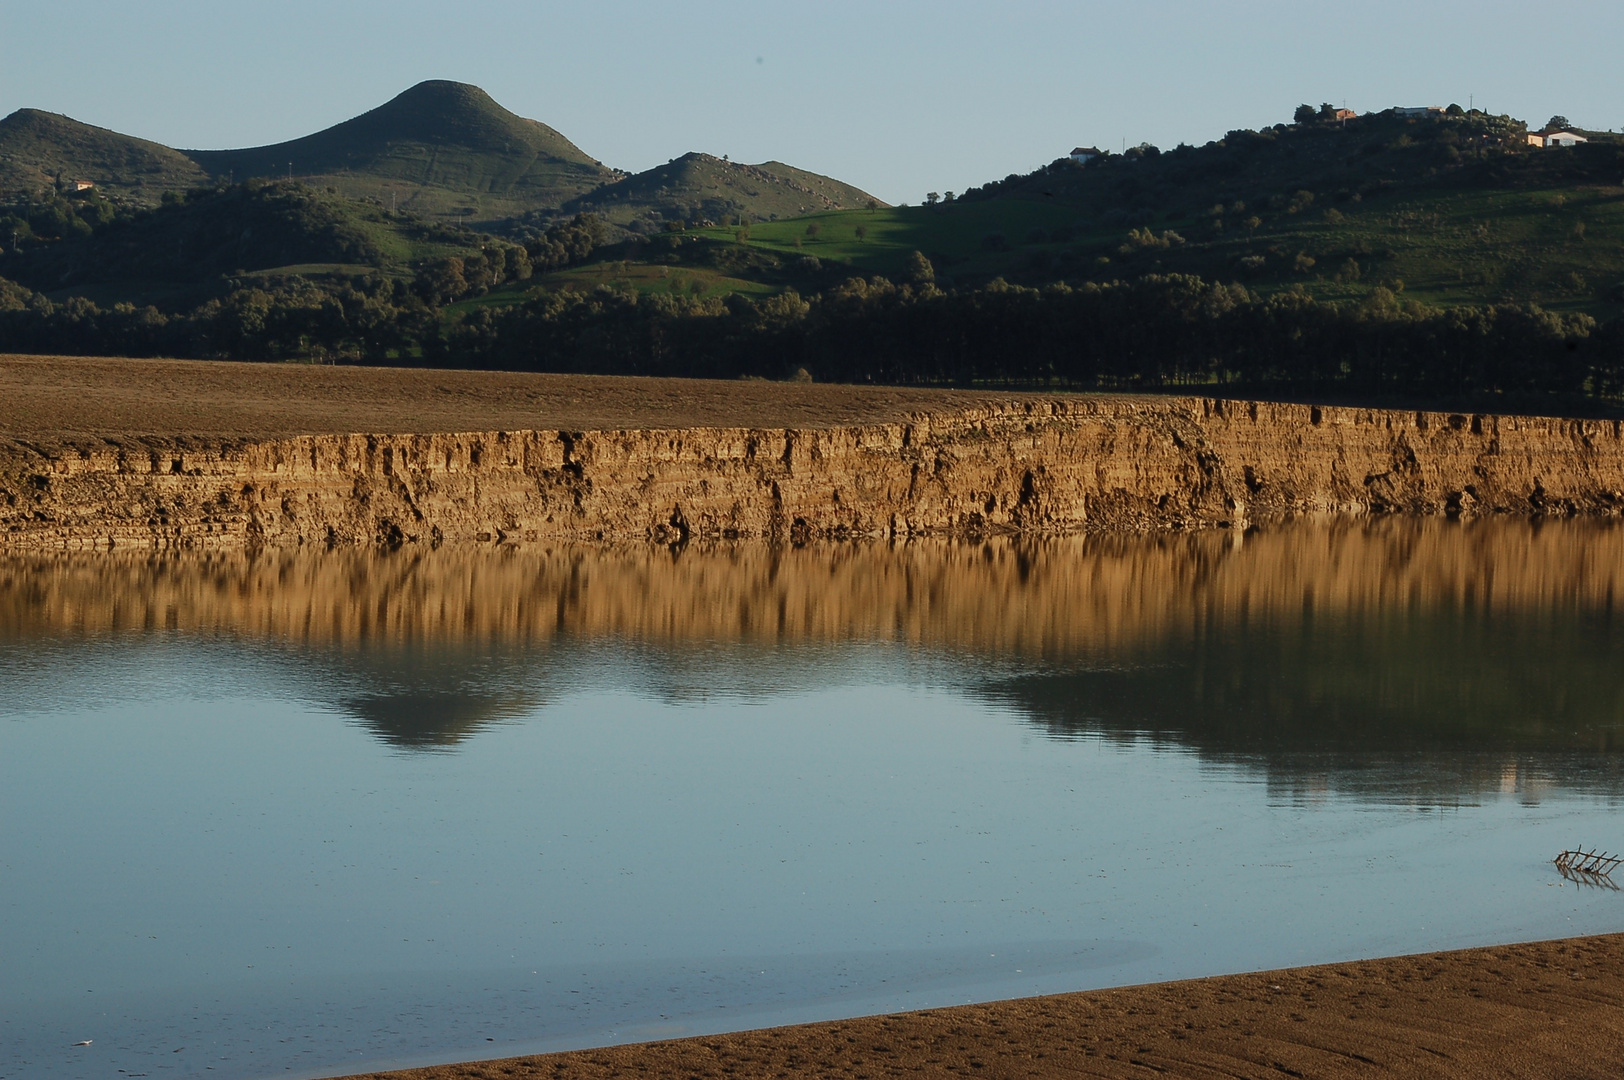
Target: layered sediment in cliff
[1031, 466]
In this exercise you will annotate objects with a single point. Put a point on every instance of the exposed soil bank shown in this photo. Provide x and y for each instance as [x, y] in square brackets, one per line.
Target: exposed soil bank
[78, 471]
[1547, 1009]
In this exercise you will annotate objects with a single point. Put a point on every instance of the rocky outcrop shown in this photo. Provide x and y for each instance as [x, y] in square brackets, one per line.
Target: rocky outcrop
[1056, 465]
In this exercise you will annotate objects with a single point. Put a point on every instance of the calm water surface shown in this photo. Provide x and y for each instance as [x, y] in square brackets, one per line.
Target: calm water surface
[306, 813]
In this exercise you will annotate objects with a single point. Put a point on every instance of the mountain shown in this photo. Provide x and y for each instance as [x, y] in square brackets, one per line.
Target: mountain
[442, 149]
[699, 187]
[38, 148]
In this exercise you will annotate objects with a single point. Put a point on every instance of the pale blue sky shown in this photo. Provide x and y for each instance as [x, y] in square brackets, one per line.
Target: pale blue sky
[898, 98]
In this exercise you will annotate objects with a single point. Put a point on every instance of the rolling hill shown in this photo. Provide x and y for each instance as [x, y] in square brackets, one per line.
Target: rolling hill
[38, 148]
[699, 187]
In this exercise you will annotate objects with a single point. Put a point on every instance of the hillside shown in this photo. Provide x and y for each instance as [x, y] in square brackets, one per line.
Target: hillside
[37, 148]
[1449, 210]
[702, 188]
[442, 149]
[183, 251]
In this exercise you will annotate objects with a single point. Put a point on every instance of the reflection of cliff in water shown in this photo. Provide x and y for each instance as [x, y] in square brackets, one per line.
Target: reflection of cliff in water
[1421, 640]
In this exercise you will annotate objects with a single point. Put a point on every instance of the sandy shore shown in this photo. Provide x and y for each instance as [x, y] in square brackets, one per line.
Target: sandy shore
[1547, 1009]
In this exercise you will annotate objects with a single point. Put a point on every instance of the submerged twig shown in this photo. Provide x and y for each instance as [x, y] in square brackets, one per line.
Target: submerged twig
[1591, 867]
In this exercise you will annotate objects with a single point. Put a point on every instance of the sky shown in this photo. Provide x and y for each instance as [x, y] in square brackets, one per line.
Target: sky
[898, 98]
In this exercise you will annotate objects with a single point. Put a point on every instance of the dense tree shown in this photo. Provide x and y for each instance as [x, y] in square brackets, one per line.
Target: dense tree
[919, 269]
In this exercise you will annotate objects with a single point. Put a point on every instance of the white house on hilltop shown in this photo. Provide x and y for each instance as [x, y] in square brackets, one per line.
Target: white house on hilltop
[1082, 155]
[1552, 139]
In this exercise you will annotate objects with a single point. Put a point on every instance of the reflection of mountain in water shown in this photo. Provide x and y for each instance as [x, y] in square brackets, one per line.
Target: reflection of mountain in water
[1312, 651]
[1404, 701]
[413, 696]
[424, 719]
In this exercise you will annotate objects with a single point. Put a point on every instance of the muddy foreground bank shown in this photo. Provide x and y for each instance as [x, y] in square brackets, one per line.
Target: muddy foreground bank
[106, 453]
[1547, 1009]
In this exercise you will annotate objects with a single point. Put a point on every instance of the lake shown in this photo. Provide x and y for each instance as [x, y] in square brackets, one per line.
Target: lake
[302, 813]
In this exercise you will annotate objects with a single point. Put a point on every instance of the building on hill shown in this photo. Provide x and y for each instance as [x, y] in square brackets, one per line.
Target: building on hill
[1341, 115]
[1552, 139]
[79, 185]
[1082, 155]
[1418, 111]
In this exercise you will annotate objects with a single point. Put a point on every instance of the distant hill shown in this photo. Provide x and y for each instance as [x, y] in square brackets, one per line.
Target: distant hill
[699, 187]
[39, 148]
[441, 150]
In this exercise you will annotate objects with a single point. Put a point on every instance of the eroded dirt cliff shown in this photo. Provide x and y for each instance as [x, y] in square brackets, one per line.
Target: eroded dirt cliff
[1032, 465]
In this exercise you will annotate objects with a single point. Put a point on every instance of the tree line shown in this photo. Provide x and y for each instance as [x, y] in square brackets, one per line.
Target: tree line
[1158, 331]
[1155, 332]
